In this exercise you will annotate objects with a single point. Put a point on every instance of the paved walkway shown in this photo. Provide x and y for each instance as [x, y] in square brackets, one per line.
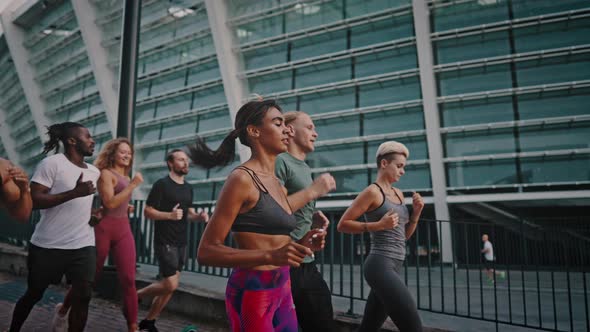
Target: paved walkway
[217, 285]
[103, 315]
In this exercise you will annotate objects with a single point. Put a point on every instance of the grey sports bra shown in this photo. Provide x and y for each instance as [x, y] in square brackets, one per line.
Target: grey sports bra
[267, 216]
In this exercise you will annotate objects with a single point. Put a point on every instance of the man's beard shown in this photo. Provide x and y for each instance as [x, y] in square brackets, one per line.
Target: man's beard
[84, 152]
[180, 171]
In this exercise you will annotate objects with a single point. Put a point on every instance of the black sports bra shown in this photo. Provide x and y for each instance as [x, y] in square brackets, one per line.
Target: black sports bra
[267, 216]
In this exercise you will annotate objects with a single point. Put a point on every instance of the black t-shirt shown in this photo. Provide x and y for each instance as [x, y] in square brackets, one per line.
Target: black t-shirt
[165, 194]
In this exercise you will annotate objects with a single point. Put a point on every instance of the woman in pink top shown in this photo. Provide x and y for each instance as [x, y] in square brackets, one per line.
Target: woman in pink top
[113, 231]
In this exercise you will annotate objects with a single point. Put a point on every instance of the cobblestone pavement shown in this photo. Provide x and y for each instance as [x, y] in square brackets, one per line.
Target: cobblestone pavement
[103, 315]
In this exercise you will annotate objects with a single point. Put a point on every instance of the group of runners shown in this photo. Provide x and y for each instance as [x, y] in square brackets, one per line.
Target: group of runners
[267, 203]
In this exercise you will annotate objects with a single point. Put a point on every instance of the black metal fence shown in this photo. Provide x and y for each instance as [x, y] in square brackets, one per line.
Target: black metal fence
[541, 274]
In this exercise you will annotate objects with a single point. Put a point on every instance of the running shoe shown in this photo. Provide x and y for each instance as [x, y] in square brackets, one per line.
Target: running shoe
[148, 325]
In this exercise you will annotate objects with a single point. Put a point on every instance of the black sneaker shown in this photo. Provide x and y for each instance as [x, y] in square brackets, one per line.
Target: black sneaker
[148, 325]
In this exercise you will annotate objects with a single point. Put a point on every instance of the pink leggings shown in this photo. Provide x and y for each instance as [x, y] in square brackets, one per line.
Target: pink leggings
[114, 234]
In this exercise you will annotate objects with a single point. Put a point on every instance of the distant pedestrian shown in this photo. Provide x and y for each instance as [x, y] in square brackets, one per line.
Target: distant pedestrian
[488, 259]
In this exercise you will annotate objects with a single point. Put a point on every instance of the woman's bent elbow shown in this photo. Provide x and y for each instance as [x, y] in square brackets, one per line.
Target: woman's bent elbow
[203, 256]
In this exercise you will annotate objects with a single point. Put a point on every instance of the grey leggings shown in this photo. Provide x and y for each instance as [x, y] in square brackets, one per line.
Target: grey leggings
[389, 296]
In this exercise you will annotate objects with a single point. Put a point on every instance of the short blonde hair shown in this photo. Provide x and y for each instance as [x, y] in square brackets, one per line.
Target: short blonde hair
[291, 116]
[391, 148]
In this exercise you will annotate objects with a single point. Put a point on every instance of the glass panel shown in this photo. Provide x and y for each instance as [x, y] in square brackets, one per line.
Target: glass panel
[540, 7]
[474, 80]
[77, 113]
[153, 155]
[196, 173]
[317, 45]
[185, 52]
[176, 129]
[339, 155]
[167, 83]
[477, 111]
[393, 121]
[206, 72]
[174, 105]
[306, 16]
[214, 120]
[144, 112]
[477, 143]
[554, 70]
[389, 92]
[556, 103]
[208, 97]
[259, 29]
[350, 181]
[555, 137]
[388, 61]
[323, 73]
[472, 47]
[149, 134]
[489, 172]
[266, 56]
[153, 174]
[341, 127]
[556, 169]
[327, 101]
[203, 192]
[102, 127]
[288, 104]
[397, 27]
[272, 83]
[552, 35]
[362, 7]
[469, 14]
[244, 7]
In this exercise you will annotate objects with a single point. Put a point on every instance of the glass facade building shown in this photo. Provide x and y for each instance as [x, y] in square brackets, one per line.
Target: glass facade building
[490, 96]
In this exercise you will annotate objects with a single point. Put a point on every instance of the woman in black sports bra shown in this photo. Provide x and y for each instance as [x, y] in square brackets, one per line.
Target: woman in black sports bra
[254, 206]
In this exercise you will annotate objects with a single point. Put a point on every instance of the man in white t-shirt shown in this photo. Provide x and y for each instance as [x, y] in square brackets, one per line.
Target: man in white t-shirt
[489, 258]
[63, 241]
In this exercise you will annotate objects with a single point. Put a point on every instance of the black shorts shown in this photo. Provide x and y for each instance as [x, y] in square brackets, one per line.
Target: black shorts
[48, 266]
[170, 258]
[489, 265]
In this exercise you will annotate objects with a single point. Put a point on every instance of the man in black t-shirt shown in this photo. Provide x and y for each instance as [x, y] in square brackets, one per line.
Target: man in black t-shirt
[169, 205]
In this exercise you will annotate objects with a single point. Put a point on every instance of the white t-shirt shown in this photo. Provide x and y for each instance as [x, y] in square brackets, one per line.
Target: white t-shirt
[64, 226]
[489, 254]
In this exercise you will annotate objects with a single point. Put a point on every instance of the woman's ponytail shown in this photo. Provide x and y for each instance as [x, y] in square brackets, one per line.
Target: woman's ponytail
[250, 113]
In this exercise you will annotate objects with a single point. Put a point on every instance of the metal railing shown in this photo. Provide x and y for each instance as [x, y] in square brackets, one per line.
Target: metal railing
[542, 269]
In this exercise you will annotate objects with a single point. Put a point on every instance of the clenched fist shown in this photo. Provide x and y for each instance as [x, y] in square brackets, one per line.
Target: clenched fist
[389, 221]
[176, 213]
[137, 180]
[323, 184]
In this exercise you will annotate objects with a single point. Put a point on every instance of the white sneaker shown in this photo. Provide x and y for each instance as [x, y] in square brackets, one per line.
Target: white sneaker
[59, 323]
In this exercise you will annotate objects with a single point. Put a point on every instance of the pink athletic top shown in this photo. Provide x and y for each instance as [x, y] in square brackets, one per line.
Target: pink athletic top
[121, 210]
